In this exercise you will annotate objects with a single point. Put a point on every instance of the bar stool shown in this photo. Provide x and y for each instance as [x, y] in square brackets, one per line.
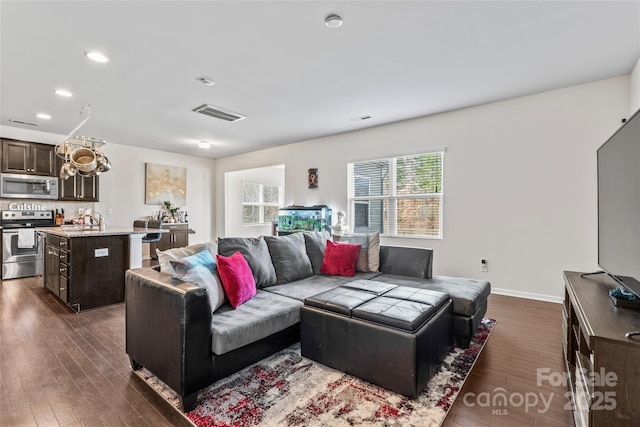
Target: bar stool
[149, 237]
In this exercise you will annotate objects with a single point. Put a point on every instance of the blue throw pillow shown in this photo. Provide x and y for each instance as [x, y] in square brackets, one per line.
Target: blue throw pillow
[200, 269]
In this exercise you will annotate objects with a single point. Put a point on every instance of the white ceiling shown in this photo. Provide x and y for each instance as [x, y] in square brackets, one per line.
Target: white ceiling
[294, 78]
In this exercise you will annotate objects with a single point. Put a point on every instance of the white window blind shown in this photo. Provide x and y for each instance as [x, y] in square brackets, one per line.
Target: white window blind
[260, 203]
[398, 196]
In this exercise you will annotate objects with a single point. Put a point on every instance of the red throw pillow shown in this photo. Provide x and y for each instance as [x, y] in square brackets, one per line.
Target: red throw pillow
[340, 259]
[237, 278]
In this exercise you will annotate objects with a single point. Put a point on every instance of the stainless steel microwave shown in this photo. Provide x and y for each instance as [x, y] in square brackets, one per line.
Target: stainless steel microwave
[15, 186]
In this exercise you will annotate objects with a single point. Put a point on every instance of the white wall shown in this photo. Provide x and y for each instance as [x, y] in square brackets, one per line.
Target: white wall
[270, 175]
[519, 181]
[634, 104]
[122, 188]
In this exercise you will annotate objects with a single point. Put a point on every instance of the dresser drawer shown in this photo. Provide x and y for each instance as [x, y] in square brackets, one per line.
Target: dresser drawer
[64, 243]
[175, 226]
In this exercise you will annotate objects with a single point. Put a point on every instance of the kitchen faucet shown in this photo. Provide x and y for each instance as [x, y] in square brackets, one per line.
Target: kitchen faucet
[97, 221]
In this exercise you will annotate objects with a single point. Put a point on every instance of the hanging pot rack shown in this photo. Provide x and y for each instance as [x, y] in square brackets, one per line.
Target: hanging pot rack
[80, 153]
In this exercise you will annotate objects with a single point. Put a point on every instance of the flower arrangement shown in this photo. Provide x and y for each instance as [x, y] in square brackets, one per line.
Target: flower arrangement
[173, 208]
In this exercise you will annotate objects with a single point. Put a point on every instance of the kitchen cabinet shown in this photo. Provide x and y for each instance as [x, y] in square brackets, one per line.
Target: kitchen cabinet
[29, 158]
[56, 269]
[79, 188]
[86, 272]
[177, 236]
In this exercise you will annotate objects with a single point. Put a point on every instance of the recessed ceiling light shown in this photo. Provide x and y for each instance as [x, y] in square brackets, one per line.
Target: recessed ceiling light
[63, 92]
[207, 81]
[43, 116]
[96, 56]
[204, 144]
[333, 21]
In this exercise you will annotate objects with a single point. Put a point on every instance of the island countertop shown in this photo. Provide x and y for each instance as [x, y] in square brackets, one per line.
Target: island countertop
[82, 231]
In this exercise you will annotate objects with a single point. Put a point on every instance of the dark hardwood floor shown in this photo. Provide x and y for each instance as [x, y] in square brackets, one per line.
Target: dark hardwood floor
[62, 368]
[527, 337]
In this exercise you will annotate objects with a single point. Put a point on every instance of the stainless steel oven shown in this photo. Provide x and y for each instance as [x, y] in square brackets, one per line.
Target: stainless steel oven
[22, 247]
[18, 186]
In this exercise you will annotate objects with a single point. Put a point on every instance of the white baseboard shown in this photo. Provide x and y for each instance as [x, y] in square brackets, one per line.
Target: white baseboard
[528, 295]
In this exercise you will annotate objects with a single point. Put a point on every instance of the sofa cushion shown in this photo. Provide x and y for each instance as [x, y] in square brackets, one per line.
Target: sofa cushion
[200, 269]
[237, 279]
[265, 314]
[316, 243]
[468, 295]
[406, 261]
[289, 257]
[369, 256]
[256, 252]
[301, 289]
[340, 259]
[164, 257]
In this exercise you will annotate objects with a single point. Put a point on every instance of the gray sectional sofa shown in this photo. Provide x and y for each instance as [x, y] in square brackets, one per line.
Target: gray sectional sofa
[172, 330]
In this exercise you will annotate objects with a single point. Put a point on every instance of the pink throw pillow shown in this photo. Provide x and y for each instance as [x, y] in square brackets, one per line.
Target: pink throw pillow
[237, 278]
[340, 259]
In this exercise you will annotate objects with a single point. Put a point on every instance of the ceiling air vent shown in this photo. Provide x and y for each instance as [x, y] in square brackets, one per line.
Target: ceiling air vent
[219, 113]
[23, 123]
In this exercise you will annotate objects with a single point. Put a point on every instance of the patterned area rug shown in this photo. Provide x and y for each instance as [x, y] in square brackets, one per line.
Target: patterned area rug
[288, 390]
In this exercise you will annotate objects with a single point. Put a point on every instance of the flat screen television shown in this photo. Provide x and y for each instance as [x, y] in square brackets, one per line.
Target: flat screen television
[619, 205]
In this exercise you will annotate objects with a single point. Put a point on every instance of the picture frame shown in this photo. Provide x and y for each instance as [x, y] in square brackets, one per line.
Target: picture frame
[165, 183]
[312, 179]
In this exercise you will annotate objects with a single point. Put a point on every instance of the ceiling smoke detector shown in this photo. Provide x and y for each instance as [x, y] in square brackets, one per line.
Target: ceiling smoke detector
[218, 113]
[207, 81]
[333, 21]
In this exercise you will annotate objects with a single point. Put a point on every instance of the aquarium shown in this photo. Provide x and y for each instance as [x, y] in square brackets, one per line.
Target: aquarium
[304, 218]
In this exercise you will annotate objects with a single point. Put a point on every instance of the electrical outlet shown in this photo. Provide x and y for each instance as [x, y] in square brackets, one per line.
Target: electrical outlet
[484, 266]
[101, 252]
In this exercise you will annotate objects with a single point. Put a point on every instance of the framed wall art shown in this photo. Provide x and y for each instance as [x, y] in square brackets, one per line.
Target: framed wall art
[165, 183]
[312, 178]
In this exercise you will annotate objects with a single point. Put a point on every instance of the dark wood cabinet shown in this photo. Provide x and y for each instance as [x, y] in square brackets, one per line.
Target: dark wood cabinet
[603, 369]
[30, 158]
[51, 260]
[79, 188]
[86, 272]
[177, 236]
[55, 266]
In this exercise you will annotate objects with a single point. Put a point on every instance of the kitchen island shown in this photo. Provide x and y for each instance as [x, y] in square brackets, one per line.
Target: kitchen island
[84, 266]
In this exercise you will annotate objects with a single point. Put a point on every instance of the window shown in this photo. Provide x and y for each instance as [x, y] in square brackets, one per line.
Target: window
[260, 203]
[361, 207]
[399, 196]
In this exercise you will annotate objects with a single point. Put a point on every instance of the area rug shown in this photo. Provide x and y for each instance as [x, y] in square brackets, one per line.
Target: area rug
[287, 389]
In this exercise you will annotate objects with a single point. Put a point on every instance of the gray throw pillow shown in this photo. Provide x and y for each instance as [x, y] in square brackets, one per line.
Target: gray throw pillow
[316, 243]
[256, 252]
[289, 257]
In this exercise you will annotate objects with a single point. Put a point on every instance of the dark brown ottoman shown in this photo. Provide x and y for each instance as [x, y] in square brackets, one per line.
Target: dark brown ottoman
[392, 336]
